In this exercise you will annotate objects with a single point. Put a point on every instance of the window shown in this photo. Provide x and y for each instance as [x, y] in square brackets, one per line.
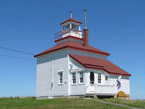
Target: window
[74, 78]
[99, 77]
[106, 77]
[81, 77]
[60, 77]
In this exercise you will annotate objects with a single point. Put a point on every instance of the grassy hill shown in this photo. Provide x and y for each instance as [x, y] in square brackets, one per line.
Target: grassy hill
[61, 103]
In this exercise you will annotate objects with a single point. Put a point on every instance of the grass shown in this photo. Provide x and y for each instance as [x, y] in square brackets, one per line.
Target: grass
[131, 103]
[57, 103]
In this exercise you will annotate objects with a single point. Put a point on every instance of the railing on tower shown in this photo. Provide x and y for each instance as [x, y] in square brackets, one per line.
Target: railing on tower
[68, 32]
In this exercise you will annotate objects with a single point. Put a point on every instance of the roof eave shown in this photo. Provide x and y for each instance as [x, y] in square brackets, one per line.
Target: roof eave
[99, 68]
[49, 51]
[71, 19]
[107, 54]
[103, 53]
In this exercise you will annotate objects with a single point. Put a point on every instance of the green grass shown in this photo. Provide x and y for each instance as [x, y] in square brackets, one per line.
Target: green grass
[131, 103]
[57, 103]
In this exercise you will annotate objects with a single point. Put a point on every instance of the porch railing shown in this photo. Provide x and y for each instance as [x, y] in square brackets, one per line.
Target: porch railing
[102, 89]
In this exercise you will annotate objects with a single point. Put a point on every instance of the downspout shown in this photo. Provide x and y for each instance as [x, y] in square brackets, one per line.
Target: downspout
[51, 79]
[69, 92]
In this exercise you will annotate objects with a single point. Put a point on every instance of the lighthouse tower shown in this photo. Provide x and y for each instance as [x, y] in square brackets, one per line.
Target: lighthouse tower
[71, 30]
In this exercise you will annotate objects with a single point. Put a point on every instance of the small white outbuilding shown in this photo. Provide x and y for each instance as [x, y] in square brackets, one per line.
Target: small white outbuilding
[74, 68]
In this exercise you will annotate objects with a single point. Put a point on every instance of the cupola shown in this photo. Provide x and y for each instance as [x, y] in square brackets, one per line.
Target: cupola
[71, 31]
[71, 28]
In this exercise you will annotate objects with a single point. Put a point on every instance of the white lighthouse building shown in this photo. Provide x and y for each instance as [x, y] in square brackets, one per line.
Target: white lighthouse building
[74, 68]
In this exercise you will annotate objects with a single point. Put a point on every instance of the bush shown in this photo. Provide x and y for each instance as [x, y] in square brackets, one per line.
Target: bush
[11, 97]
[33, 98]
[17, 97]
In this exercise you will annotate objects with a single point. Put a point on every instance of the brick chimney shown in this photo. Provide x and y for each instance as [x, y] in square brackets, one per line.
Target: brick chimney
[86, 40]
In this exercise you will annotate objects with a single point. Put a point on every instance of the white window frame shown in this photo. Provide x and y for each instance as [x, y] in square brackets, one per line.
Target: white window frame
[60, 78]
[99, 75]
[72, 79]
[81, 77]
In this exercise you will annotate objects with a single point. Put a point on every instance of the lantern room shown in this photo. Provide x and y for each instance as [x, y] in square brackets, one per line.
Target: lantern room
[70, 27]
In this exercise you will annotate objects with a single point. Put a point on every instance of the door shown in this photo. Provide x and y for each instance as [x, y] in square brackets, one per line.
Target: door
[91, 78]
[91, 86]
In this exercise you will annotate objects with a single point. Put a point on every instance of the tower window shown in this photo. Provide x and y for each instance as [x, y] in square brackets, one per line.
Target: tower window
[99, 77]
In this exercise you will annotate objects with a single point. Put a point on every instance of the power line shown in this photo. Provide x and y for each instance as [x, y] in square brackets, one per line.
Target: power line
[16, 57]
[28, 53]
[16, 50]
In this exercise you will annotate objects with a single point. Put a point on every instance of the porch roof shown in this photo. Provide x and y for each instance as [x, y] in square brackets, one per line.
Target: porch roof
[102, 64]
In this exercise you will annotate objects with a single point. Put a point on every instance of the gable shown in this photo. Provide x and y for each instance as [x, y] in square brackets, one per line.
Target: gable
[74, 65]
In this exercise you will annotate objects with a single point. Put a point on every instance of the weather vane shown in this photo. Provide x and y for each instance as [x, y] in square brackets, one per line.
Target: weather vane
[70, 14]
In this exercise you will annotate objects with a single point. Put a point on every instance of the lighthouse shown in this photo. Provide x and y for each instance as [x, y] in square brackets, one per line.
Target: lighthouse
[74, 68]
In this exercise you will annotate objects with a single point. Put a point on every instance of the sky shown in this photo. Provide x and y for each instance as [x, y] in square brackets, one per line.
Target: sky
[115, 26]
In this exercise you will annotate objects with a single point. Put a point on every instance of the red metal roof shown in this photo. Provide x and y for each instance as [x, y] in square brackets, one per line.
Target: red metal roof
[102, 64]
[73, 45]
[71, 19]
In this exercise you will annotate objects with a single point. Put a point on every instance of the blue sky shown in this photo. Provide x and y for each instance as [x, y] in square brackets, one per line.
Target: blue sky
[117, 27]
